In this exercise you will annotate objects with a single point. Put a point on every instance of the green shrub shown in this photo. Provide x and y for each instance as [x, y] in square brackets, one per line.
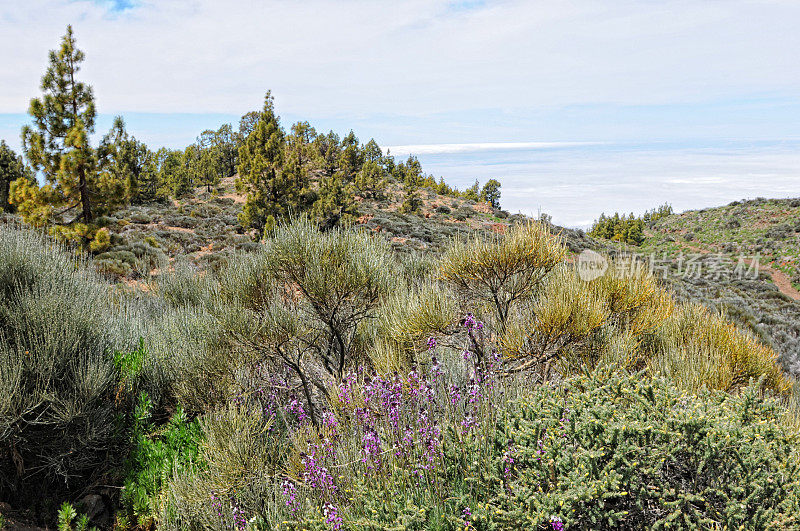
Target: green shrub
[618, 227]
[607, 451]
[337, 278]
[184, 286]
[699, 349]
[112, 267]
[243, 455]
[141, 217]
[188, 363]
[101, 241]
[625, 451]
[500, 271]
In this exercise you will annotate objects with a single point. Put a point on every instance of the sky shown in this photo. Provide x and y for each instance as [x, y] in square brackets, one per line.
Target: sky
[458, 83]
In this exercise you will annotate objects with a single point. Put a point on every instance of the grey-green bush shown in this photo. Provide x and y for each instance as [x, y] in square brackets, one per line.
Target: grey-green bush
[56, 377]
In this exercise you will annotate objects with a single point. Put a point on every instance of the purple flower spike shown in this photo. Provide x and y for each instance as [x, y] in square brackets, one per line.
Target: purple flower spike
[290, 493]
[469, 321]
[332, 518]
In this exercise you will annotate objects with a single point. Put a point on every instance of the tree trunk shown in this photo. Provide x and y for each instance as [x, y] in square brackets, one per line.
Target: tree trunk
[84, 190]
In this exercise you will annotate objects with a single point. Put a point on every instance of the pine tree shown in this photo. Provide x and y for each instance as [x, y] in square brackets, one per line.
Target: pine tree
[336, 203]
[412, 202]
[372, 152]
[124, 159]
[328, 148]
[274, 191]
[184, 177]
[172, 176]
[208, 166]
[473, 193]
[491, 193]
[411, 172]
[370, 181]
[57, 144]
[150, 186]
[11, 168]
[228, 150]
[300, 143]
[225, 145]
[247, 125]
[351, 158]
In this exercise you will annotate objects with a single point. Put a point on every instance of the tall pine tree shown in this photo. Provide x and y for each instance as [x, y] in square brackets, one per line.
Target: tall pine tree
[274, 190]
[491, 193]
[57, 143]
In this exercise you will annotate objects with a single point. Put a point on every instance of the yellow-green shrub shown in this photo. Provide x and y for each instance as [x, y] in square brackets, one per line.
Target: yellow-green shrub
[701, 349]
[408, 318]
[500, 270]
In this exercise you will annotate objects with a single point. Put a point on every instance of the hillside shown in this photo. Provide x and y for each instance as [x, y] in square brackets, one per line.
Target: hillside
[275, 328]
[203, 228]
[701, 250]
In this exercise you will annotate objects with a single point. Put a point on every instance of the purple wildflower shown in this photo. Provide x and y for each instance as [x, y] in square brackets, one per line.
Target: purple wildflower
[466, 514]
[296, 407]
[372, 449]
[316, 475]
[508, 463]
[239, 519]
[469, 321]
[331, 513]
[290, 493]
[216, 504]
[556, 523]
[455, 395]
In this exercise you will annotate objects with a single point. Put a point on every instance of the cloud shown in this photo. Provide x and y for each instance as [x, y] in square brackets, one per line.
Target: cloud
[409, 58]
[436, 149]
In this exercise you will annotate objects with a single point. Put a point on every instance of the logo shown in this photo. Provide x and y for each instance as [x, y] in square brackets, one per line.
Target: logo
[591, 265]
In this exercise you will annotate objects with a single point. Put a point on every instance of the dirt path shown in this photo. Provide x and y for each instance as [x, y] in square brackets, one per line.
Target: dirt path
[781, 281]
[779, 278]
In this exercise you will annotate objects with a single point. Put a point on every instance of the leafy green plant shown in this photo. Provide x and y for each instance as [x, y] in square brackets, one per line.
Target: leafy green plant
[156, 455]
[129, 367]
[67, 519]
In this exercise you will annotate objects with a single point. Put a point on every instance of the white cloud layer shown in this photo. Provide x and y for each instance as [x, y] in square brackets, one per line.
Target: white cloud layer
[357, 58]
[436, 149]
